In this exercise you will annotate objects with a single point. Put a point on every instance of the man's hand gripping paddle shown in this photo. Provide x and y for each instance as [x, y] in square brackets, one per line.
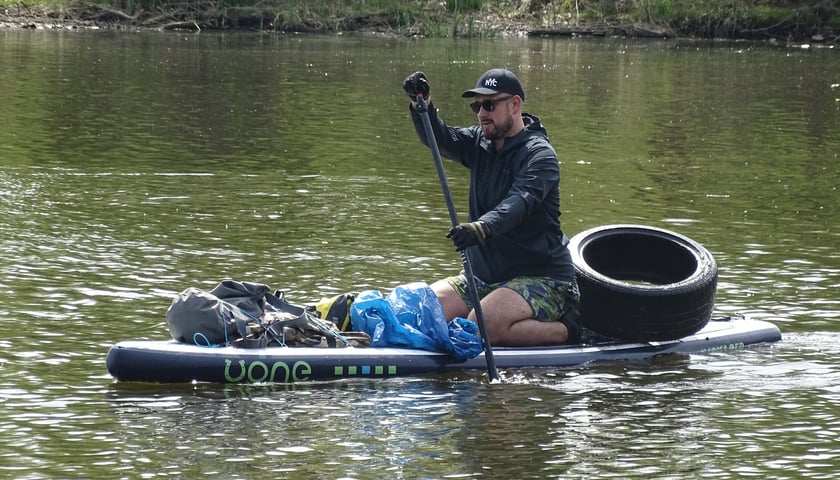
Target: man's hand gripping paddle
[423, 109]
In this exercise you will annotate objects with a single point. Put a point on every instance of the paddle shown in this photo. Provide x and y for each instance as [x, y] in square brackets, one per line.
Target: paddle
[423, 109]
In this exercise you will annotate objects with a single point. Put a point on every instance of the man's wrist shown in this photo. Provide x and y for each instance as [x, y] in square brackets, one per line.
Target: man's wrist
[485, 229]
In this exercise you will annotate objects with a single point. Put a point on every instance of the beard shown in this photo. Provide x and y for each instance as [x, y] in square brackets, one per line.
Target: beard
[498, 131]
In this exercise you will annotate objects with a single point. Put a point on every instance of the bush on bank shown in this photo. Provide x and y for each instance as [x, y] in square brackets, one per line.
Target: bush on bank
[784, 19]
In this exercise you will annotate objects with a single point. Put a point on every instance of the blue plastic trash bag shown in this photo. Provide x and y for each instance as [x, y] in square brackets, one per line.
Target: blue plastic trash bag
[418, 309]
[411, 316]
[463, 334]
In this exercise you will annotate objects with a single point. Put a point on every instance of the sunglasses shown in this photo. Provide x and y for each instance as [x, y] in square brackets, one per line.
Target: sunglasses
[488, 105]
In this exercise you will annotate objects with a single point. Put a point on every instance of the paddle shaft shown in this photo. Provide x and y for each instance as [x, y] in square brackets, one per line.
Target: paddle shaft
[423, 109]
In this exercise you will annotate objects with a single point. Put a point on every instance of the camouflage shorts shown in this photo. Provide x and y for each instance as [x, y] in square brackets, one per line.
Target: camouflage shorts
[549, 298]
[552, 300]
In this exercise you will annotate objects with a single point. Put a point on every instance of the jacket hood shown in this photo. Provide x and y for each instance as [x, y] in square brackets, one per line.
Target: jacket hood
[533, 124]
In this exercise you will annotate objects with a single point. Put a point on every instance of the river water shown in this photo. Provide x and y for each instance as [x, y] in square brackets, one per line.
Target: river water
[135, 165]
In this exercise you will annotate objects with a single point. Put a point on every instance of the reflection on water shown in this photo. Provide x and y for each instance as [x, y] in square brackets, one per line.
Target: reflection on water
[706, 412]
[135, 165]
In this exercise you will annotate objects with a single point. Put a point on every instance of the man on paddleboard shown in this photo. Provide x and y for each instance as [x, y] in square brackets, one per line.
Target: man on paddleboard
[524, 272]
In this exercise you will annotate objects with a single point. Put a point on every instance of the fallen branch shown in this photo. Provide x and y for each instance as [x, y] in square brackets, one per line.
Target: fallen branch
[105, 12]
[110, 13]
[188, 25]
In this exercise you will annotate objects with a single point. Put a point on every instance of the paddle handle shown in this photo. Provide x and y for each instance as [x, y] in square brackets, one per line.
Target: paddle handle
[423, 109]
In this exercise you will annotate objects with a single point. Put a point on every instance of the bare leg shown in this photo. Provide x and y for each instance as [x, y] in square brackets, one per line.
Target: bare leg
[509, 321]
[452, 303]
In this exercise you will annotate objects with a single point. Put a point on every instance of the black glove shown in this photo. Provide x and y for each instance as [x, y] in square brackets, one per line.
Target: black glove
[415, 84]
[466, 235]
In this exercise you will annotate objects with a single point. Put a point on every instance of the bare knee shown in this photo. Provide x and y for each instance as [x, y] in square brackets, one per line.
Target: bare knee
[509, 322]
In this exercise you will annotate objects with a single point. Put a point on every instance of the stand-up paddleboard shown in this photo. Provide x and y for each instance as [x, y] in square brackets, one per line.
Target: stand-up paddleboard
[170, 361]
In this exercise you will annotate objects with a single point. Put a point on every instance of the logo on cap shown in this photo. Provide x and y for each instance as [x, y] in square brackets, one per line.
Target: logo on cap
[490, 82]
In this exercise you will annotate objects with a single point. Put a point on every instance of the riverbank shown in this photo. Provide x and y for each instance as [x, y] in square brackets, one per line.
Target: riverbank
[469, 18]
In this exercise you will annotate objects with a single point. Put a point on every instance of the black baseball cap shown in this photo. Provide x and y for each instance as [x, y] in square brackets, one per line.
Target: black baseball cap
[497, 80]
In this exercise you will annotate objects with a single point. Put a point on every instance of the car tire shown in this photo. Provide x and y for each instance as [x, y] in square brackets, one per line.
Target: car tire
[643, 284]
